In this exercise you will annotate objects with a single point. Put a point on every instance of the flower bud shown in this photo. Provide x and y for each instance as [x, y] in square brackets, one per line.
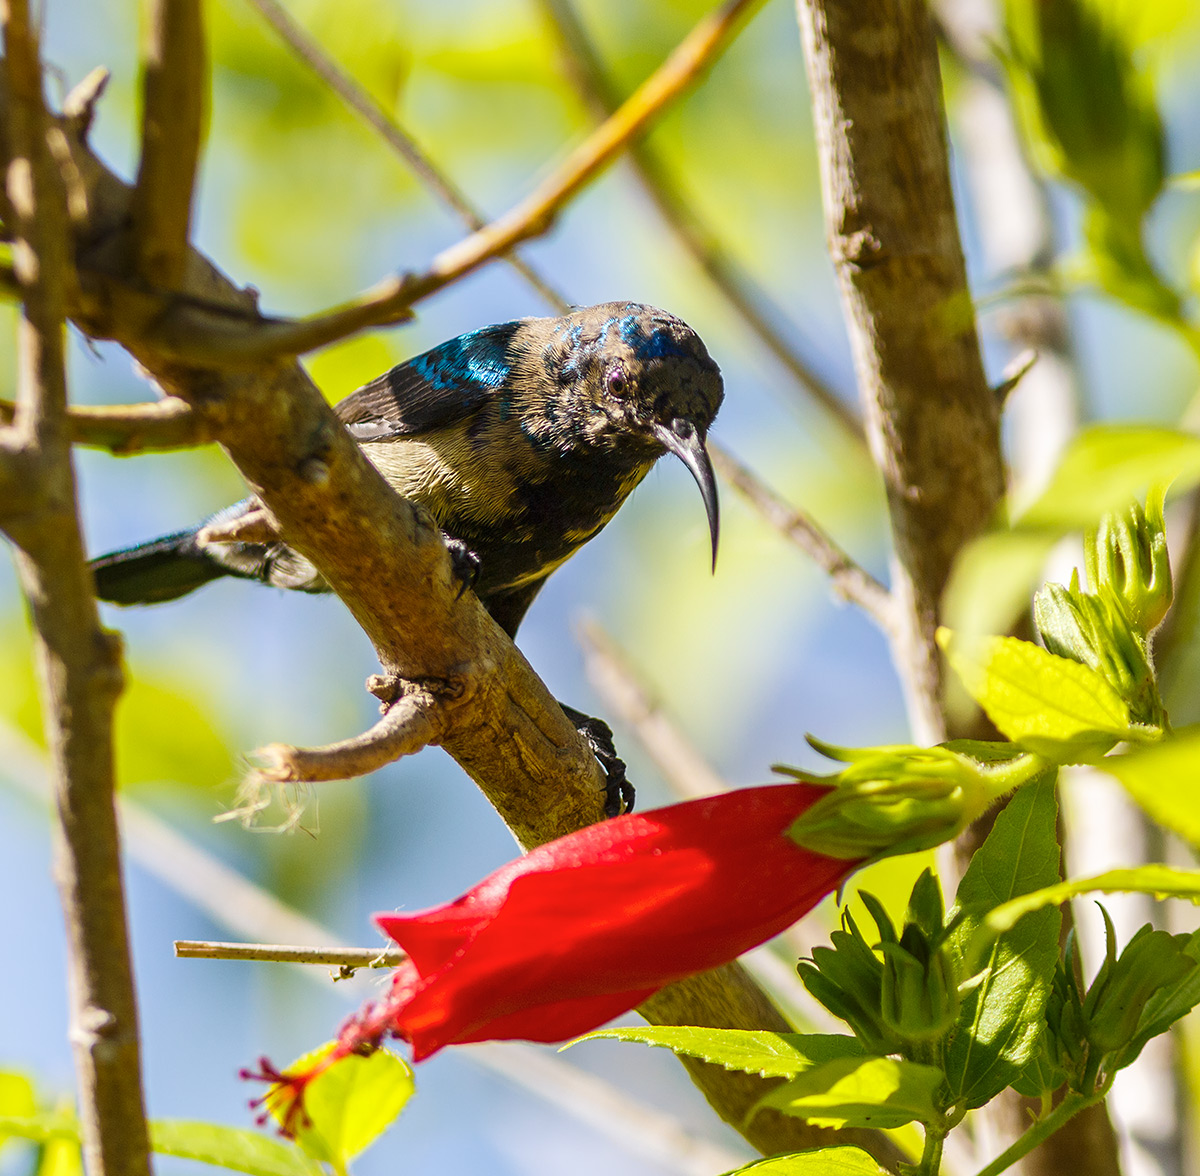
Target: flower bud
[893, 800]
[1127, 553]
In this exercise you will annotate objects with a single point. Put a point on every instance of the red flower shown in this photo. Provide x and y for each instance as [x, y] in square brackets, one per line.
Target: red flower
[584, 928]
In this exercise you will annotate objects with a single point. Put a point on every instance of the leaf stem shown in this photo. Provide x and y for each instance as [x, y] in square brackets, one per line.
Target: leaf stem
[1070, 1106]
[931, 1157]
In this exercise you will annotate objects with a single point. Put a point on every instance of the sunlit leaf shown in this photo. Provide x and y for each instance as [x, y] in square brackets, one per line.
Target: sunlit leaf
[859, 1092]
[825, 1161]
[773, 1055]
[1048, 704]
[1001, 1017]
[1165, 781]
[347, 1106]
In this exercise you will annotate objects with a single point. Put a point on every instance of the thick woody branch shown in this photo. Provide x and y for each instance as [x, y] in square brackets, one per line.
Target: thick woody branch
[850, 580]
[124, 429]
[78, 663]
[755, 306]
[195, 336]
[387, 561]
[356, 97]
[174, 97]
[932, 421]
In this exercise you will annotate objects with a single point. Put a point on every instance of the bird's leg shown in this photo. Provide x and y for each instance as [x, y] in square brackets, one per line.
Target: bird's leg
[463, 562]
[618, 791]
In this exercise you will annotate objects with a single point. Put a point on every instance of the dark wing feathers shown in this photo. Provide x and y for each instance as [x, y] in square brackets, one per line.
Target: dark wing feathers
[432, 390]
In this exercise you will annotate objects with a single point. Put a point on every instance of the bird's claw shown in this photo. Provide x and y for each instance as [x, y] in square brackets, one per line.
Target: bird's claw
[464, 563]
[619, 793]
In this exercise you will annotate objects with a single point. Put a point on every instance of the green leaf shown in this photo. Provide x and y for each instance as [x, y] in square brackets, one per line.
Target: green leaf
[236, 1148]
[1105, 467]
[1162, 779]
[825, 1161]
[1001, 1017]
[17, 1098]
[859, 1092]
[1050, 705]
[1160, 881]
[60, 1157]
[40, 1128]
[348, 1105]
[772, 1055]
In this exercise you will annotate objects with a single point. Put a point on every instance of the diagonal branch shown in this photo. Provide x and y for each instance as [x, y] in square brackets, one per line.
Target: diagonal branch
[193, 335]
[850, 580]
[78, 663]
[174, 98]
[360, 101]
[596, 91]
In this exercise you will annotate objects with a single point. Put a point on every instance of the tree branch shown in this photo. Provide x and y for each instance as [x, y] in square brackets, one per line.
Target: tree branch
[387, 561]
[174, 101]
[410, 724]
[79, 664]
[932, 421]
[356, 97]
[194, 335]
[124, 429]
[850, 580]
[755, 306]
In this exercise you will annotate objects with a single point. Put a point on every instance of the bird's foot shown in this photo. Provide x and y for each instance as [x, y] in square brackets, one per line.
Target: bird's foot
[464, 563]
[618, 791]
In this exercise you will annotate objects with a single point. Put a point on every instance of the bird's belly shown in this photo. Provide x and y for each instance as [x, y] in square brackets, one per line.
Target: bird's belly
[522, 519]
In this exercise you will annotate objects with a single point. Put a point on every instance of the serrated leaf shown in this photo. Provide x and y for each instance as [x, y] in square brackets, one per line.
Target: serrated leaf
[236, 1148]
[1001, 1017]
[1162, 779]
[1050, 705]
[859, 1092]
[825, 1161]
[772, 1055]
[1160, 881]
[348, 1105]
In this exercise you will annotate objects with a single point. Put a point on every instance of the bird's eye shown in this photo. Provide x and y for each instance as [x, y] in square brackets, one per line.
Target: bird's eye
[616, 382]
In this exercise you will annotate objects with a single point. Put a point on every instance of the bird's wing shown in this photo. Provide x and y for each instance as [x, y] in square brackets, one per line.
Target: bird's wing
[433, 390]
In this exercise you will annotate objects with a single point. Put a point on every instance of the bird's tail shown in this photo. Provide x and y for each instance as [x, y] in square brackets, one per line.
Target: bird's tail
[163, 569]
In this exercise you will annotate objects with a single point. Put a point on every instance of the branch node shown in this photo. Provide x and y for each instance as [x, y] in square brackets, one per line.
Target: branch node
[80, 104]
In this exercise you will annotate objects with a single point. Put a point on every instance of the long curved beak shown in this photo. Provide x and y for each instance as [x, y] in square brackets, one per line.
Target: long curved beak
[683, 440]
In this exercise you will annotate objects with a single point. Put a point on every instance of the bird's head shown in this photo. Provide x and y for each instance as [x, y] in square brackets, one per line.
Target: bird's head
[637, 381]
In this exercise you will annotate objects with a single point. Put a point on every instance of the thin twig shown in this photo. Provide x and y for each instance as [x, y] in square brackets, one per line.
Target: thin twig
[174, 98]
[850, 580]
[355, 96]
[205, 340]
[682, 766]
[123, 429]
[78, 663]
[412, 723]
[278, 953]
[758, 310]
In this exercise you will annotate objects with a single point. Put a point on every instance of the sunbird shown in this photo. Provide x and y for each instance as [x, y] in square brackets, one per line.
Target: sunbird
[522, 439]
